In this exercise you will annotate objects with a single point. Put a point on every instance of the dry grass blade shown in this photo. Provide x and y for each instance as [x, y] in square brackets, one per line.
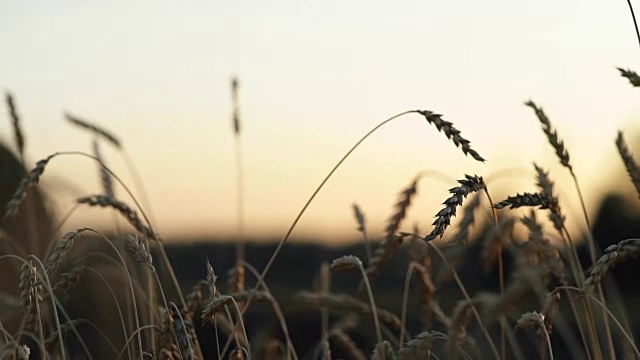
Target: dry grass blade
[105, 177]
[552, 135]
[124, 209]
[470, 184]
[138, 250]
[32, 178]
[452, 133]
[629, 162]
[631, 75]
[346, 302]
[95, 129]
[15, 120]
[61, 250]
[613, 255]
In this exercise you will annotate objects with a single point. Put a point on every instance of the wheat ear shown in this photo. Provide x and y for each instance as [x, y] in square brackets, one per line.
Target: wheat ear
[15, 120]
[612, 256]
[105, 177]
[350, 262]
[633, 169]
[93, 128]
[61, 250]
[470, 184]
[452, 133]
[122, 208]
[631, 75]
[32, 178]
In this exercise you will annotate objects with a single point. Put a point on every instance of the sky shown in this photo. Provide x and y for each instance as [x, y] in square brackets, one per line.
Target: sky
[314, 78]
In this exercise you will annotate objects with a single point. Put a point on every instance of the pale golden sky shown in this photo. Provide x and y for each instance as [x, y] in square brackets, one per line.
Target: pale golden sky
[314, 77]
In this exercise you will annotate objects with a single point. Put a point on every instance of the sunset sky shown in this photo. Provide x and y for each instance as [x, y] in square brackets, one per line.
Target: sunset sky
[315, 77]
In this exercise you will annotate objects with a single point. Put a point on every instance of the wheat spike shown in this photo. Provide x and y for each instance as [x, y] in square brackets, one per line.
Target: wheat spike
[613, 255]
[138, 250]
[631, 75]
[346, 302]
[546, 187]
[93, 128]
[526, 199]
[552, 135]
[105, 177]
[124, 209]
[15, 120]
[470, 184]
[420, 347]
[66, 328]
[32, 178]
[633, 169]
[61, 250]
[452, 133]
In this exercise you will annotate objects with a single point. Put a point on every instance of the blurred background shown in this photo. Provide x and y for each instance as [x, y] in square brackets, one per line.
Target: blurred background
[314, 78]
